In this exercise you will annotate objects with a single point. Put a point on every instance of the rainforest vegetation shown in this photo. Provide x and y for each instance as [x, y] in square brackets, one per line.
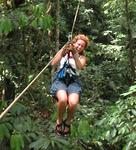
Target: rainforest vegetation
[31, 32]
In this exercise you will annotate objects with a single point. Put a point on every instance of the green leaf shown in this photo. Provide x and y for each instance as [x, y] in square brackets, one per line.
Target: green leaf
[47, 21]
[38, 10]
[18, 109]
[113, 132]
[108, 135]
[122, 130]
[41, 143]
[34, 23]
[128, 146]
[5, 25]
[16, 142]
[84, 128]
[4, 131]
[133, 112]
[23, 20]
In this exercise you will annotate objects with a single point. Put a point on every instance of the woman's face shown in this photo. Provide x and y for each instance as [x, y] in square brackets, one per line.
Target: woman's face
[80, 45]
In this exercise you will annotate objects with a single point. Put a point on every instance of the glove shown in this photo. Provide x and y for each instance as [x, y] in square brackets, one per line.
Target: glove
[67, 48]
[73, 50]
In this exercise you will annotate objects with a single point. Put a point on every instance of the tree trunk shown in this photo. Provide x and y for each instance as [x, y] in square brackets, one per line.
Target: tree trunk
[130, 46]
[57, 25]
[9, 90]
[57, 43]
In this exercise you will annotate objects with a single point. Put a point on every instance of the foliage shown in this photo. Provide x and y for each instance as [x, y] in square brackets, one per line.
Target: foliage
[132, 91]
[118, 124]
[107, 74]
[105, 118]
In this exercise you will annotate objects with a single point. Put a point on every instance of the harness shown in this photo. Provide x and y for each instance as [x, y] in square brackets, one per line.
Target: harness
[67, 73]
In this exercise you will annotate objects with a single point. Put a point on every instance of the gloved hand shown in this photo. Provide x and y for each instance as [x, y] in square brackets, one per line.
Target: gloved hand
[73, 50]
[67, 48]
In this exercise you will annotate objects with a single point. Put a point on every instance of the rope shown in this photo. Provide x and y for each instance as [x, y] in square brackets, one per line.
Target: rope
[75, 19]
[17, 98]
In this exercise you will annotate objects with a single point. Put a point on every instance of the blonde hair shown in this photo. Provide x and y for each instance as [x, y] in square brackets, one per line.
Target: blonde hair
[81, 37]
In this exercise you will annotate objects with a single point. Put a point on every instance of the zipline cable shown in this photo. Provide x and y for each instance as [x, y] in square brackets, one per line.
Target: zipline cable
[17, 98]
[75, 18]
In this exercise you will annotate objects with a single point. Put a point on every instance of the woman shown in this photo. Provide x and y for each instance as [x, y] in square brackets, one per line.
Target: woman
[67, 88]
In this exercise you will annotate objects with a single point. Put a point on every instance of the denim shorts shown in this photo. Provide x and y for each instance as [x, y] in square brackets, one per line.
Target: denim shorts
[58, 84]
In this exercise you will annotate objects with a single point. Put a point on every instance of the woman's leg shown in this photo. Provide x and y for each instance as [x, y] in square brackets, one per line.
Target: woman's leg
[62, 104]
[73, 100]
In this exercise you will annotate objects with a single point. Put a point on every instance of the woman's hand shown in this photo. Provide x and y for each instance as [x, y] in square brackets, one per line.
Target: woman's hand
[67, 48]
[73, 50]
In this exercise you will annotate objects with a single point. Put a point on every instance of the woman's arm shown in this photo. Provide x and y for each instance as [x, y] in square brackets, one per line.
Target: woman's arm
[65, 49]
[57, 57]
[80, 61]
